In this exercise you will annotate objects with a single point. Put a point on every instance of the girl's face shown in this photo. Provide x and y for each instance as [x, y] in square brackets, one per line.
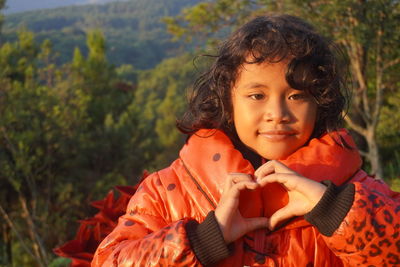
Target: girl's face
[270, 117]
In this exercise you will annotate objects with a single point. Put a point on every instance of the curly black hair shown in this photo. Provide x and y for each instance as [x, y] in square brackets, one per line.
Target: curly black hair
[316, 65]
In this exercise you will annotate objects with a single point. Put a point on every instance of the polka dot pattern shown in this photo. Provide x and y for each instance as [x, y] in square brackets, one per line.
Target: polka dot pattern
[171, 187]
[216, 157]
[129, 223]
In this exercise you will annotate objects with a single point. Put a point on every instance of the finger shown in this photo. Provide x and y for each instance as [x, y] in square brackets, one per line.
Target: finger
[310, 189]
[235, 190]
[286, 179]
[239, 177]
[256, 223]
[265, 169]
[234, 178]
[280, 215]
[230, 199]
[272, 166]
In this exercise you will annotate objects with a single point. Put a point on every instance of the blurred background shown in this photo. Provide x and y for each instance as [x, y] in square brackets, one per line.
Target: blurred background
[90, 91]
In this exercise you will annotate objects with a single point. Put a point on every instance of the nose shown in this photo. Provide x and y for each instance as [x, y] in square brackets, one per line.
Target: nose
[276, 111]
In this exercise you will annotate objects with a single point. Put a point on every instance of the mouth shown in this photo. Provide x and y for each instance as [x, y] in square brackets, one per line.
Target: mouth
[276, 135]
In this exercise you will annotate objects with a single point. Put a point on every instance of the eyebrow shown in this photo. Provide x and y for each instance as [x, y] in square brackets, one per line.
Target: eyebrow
[254, 85]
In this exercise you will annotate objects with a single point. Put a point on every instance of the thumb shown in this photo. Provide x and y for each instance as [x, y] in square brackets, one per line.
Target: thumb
[256, 223]
[280, 215]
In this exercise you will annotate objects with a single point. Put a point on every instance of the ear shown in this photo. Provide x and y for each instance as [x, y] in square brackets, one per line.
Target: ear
[228, 119]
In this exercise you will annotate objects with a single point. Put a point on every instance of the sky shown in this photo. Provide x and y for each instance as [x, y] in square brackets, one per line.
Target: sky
[15, 6]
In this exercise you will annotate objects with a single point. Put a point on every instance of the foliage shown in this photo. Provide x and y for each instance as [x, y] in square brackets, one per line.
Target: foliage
[395, 184]
[67, 135]
[213, 20]
[133, 29]
[388, 134]
[60, 262]
[161, 97]
[93, 230]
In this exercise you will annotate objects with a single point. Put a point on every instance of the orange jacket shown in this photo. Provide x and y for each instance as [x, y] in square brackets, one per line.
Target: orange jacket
[152, 232]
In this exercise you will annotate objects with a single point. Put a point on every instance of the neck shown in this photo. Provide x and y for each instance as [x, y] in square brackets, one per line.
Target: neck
[255, 159]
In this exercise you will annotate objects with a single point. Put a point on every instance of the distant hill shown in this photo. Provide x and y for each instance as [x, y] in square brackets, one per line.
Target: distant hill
[16, 6]
[134, 33]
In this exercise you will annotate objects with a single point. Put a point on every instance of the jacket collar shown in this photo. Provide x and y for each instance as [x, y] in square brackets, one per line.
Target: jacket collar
[209, 156]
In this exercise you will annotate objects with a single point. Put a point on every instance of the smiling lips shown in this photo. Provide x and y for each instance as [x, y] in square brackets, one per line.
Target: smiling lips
[276, 136]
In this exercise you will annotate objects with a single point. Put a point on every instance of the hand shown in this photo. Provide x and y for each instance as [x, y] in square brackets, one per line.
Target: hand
[232, 224]
[303, 193]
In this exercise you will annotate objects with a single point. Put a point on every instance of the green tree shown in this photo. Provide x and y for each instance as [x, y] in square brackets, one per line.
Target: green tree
[388, 135]
[23, 152]
[67, 135]
[161, 96]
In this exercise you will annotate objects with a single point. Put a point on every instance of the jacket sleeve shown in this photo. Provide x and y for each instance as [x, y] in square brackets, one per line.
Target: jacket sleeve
[145, 236]
[369, 234]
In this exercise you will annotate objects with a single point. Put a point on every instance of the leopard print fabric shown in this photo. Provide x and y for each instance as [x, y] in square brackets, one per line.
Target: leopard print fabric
[369, 235]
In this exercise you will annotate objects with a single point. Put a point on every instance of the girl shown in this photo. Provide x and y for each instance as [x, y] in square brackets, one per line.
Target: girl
[267, 177]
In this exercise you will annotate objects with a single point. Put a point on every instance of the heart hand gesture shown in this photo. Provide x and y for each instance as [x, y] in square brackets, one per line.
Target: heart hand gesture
[303, 193]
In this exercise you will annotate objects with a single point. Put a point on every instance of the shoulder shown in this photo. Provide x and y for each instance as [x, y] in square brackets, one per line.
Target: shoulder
[164, 180]
[164, 193]
[365, 182]
[161, 181]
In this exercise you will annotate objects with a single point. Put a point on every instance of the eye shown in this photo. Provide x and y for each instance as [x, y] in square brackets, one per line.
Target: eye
[298, 96]
[257, 96]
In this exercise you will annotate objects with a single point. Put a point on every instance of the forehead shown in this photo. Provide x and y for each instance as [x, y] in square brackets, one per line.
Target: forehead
[261, 73]
[252, 61]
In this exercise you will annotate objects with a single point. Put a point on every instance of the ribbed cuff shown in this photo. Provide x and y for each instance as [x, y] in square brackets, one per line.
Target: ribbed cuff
[333, 207]
[207, 241]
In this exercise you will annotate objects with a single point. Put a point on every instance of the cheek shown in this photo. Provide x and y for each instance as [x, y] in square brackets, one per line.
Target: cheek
[310, 117]
[246, 119]
[306, 117]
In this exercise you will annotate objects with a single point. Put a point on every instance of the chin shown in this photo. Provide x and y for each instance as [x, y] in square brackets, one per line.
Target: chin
[275, 156]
